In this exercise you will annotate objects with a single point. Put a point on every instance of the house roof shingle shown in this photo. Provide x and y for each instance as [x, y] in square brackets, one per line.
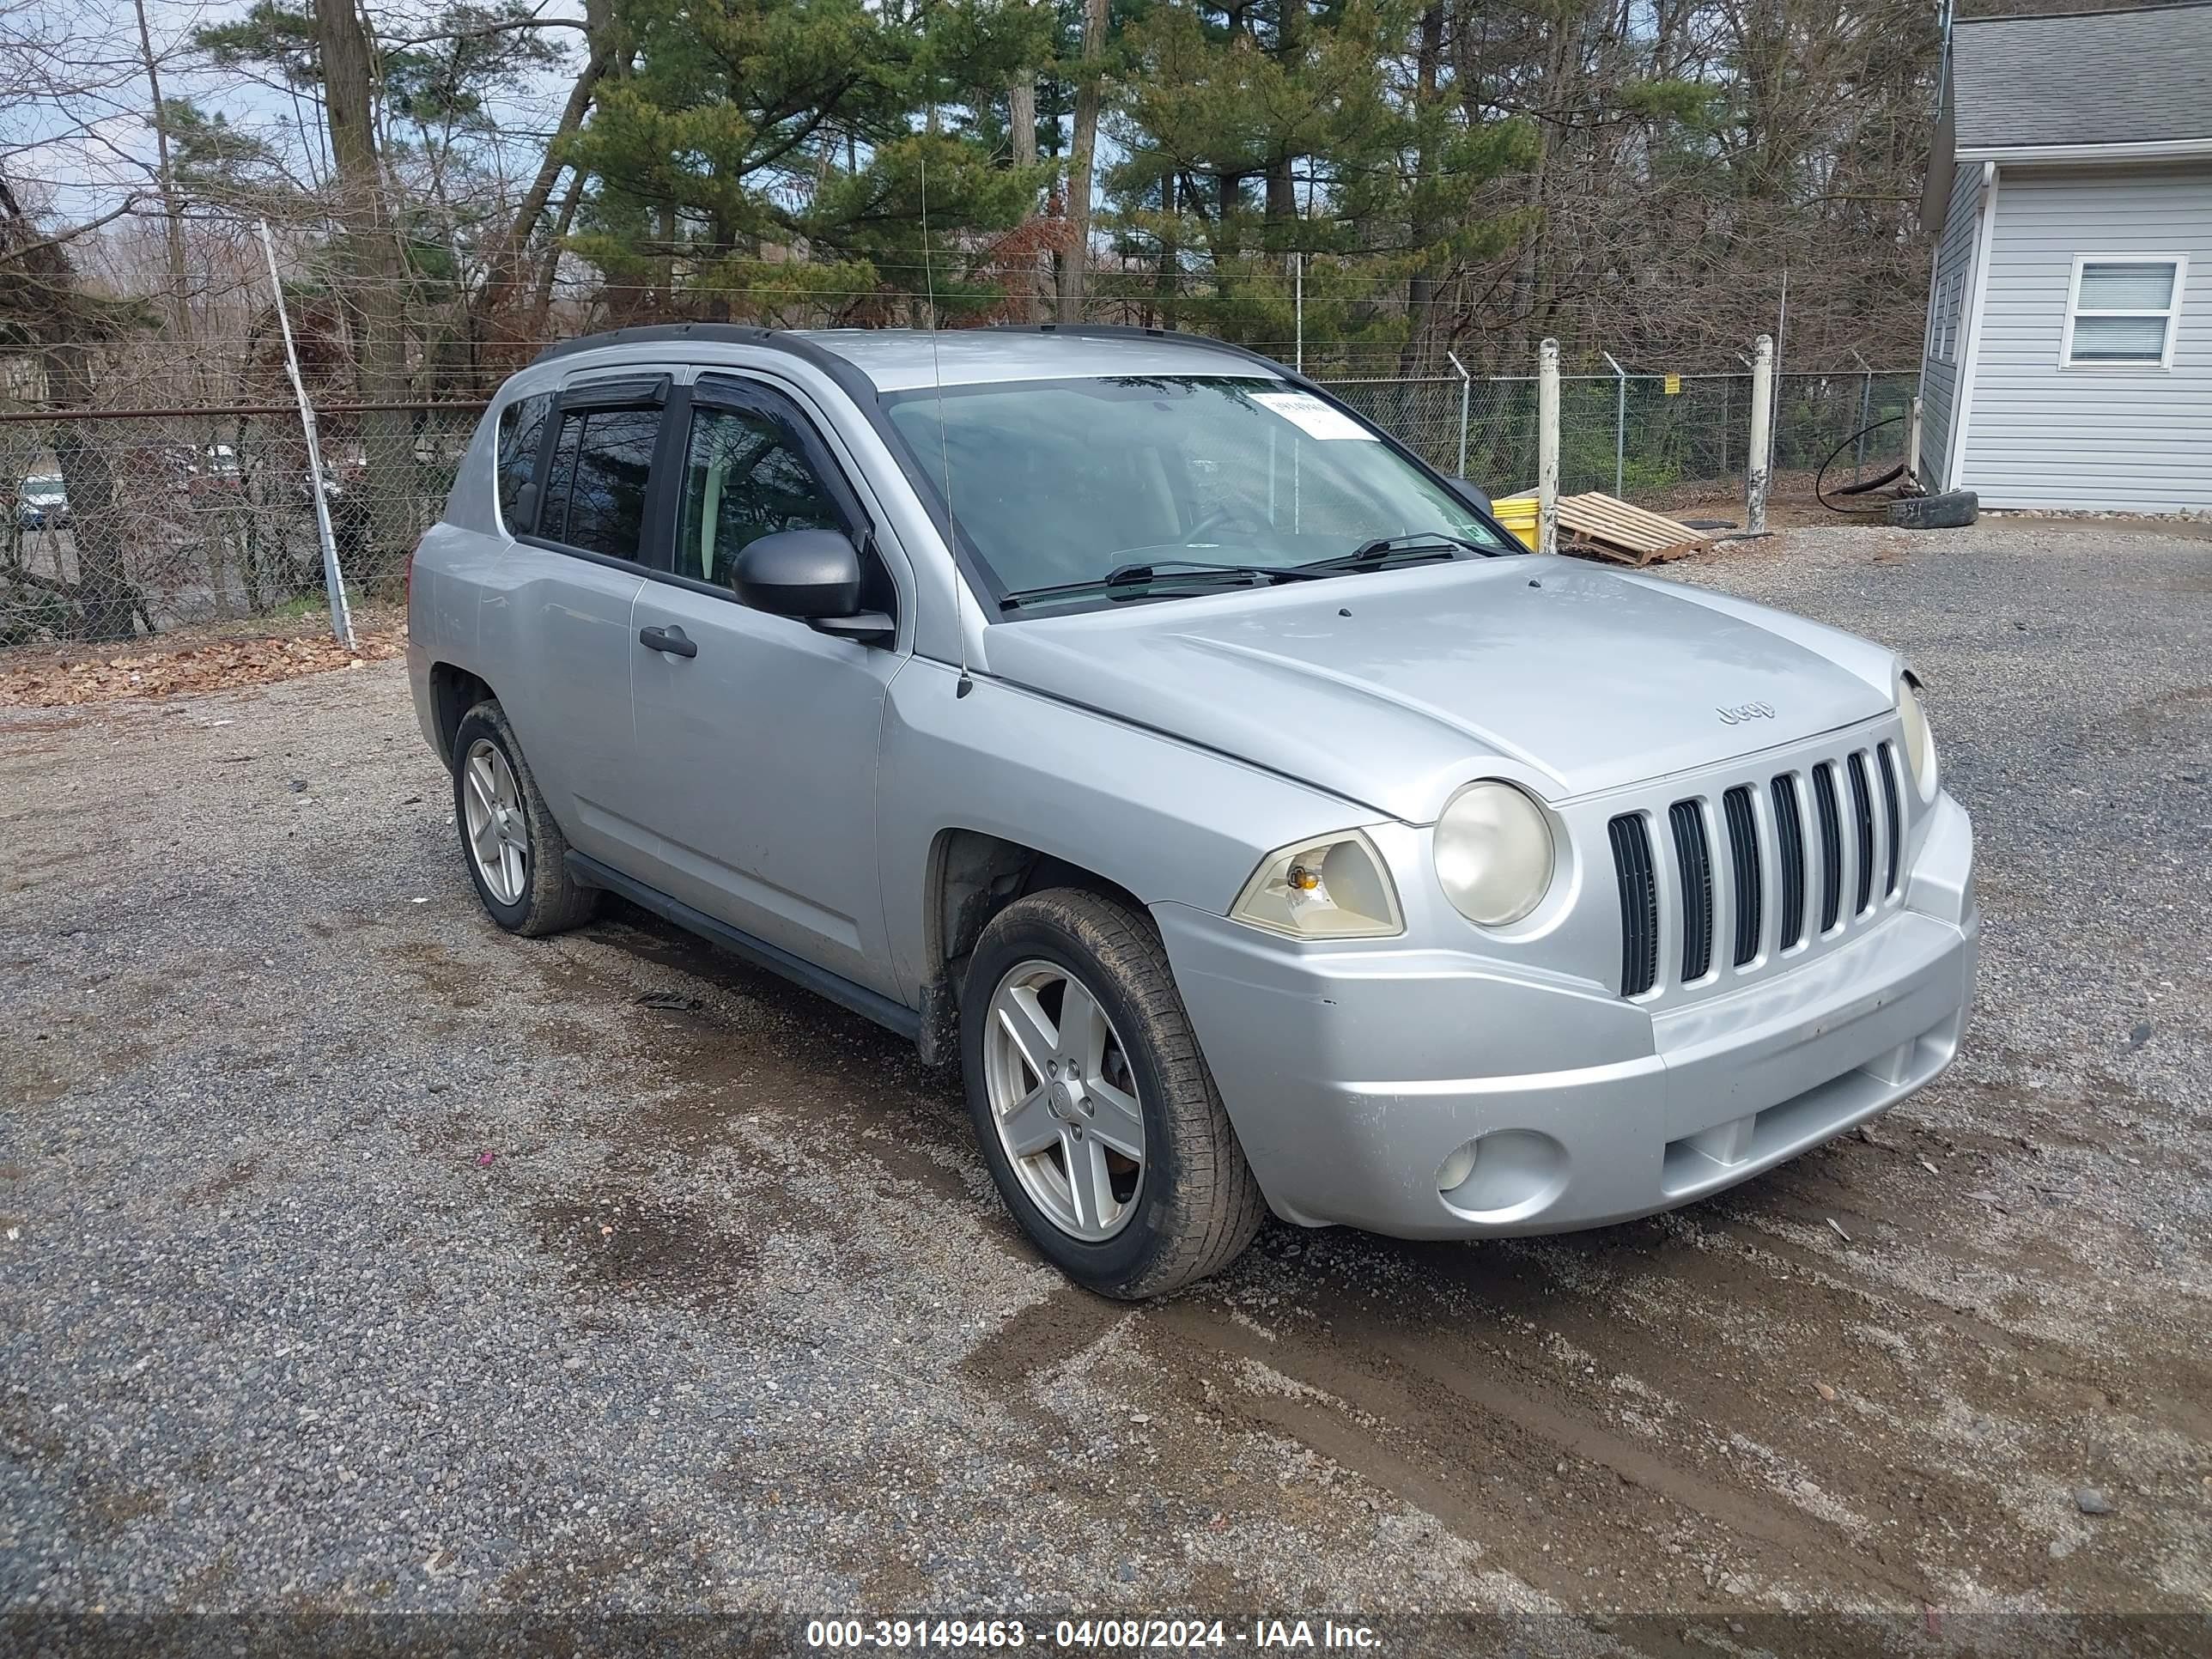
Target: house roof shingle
[2113, 77]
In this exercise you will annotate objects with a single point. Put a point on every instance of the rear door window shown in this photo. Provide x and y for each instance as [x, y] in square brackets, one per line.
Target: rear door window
[595, 485]
[521, 434]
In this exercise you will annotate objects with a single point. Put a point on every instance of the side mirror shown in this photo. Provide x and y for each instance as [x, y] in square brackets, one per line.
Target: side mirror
[1470, 495]
[812, 574]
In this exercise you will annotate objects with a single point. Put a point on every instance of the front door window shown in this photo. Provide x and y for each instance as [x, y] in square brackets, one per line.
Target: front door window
[746, 475]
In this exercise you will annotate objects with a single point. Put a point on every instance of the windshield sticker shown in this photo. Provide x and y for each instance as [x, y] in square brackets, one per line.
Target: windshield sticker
[1312, 416]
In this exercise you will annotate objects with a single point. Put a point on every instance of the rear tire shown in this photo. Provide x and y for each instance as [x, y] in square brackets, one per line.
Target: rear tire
[1191, 1205]
[517, 857]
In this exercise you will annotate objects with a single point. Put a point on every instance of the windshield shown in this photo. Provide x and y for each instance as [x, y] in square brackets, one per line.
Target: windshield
[1059, 481]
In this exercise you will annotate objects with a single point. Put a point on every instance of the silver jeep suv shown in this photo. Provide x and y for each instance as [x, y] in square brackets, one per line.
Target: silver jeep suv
[1257, 824]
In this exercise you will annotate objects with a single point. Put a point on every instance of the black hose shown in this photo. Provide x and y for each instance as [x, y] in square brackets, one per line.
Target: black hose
[1864, 485]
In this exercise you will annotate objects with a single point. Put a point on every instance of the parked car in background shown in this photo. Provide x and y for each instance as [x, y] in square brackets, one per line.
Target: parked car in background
[42, 502]
[1256, 825]
[214, 477]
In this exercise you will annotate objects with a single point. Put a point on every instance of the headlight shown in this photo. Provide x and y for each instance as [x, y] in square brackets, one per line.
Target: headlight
[1919, 742]
[1333, 887]
[1494, 854]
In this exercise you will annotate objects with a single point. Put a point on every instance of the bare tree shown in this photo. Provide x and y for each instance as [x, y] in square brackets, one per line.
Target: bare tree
[375, 279]
[1089, 95]
[42, 305]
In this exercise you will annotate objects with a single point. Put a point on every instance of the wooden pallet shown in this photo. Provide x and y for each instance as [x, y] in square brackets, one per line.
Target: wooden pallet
[1612, 529]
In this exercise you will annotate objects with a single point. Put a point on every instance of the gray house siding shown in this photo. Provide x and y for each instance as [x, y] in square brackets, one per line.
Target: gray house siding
[1955, 256]
[2116, 439]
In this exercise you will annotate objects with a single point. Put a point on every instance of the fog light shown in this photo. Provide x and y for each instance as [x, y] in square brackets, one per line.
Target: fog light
[1455, 1169]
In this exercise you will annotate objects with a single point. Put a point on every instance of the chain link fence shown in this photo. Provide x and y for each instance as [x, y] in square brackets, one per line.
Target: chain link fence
[117, 523]
[1647, 438]
[114, 523]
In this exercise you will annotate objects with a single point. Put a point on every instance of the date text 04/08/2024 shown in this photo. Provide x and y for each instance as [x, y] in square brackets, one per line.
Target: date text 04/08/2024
[1090, 1634]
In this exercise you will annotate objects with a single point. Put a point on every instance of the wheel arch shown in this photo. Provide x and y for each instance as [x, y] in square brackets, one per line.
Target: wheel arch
[972, 875]
[453, 691]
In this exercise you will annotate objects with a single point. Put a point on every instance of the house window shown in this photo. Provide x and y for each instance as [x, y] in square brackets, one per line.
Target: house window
[1943, 324]
[2122, 311]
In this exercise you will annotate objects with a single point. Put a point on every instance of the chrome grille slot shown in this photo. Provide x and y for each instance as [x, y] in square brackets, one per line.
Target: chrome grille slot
[1789, 834]
[1639, 903]
[1830, 817]
[1744, 860]
[1693, 857]
[1862, 827]
[1893, 813]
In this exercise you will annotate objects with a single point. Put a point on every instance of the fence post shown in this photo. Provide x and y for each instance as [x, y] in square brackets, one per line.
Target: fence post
[1548, 447]
[1465, 382]
[333, 578]
[1727, 414]
[1619, 424]
[1866, 409]
[1759, 458]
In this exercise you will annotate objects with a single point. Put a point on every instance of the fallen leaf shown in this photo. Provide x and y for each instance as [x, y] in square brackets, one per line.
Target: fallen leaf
[44, 678]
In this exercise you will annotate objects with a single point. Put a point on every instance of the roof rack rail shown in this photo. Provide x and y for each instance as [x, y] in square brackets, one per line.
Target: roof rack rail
[1135, 331]
[842, 371]
[716, 333]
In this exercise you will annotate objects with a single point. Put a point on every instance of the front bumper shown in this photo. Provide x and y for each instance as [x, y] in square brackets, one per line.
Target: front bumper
[1352, 1076]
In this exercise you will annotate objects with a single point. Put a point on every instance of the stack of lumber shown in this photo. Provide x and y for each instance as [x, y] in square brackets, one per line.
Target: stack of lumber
[1612, 529]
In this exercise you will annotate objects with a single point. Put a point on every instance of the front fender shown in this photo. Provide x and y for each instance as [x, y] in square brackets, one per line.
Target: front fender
[1171, 823]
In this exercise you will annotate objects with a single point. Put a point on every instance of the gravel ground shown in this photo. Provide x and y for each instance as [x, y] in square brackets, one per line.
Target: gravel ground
[357, 1256]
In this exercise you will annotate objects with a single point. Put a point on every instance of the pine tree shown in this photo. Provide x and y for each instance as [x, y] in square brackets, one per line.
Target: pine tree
[765, 159]
[1252, 133]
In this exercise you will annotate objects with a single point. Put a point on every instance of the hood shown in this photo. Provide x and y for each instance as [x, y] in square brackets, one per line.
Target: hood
[1393, 690]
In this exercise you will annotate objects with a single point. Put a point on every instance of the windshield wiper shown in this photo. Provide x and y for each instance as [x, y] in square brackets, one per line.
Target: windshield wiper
[1420, 547]
[1150, 573]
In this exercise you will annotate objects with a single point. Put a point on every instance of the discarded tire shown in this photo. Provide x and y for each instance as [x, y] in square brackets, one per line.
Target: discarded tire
[1947, 511]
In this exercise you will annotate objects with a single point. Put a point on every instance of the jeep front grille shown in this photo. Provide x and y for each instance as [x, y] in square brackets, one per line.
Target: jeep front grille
[1749, 867]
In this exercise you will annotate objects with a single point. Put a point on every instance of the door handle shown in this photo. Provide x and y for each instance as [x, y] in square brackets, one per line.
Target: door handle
[671, 639]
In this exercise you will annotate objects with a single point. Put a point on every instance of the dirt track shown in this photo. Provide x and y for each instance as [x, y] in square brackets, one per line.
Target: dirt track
[704, 1302]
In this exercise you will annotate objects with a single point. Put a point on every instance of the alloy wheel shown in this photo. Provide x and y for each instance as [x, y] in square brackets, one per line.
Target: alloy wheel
[498, 828]
[1064, 1099]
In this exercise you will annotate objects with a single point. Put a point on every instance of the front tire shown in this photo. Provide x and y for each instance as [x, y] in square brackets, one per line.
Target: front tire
[1091, 1100]
[517, 857]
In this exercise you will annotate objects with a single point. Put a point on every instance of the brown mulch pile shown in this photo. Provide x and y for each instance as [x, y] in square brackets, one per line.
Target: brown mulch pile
[55, 679]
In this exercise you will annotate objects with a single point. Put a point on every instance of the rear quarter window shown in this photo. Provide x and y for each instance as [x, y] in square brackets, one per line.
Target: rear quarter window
[522, 428]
